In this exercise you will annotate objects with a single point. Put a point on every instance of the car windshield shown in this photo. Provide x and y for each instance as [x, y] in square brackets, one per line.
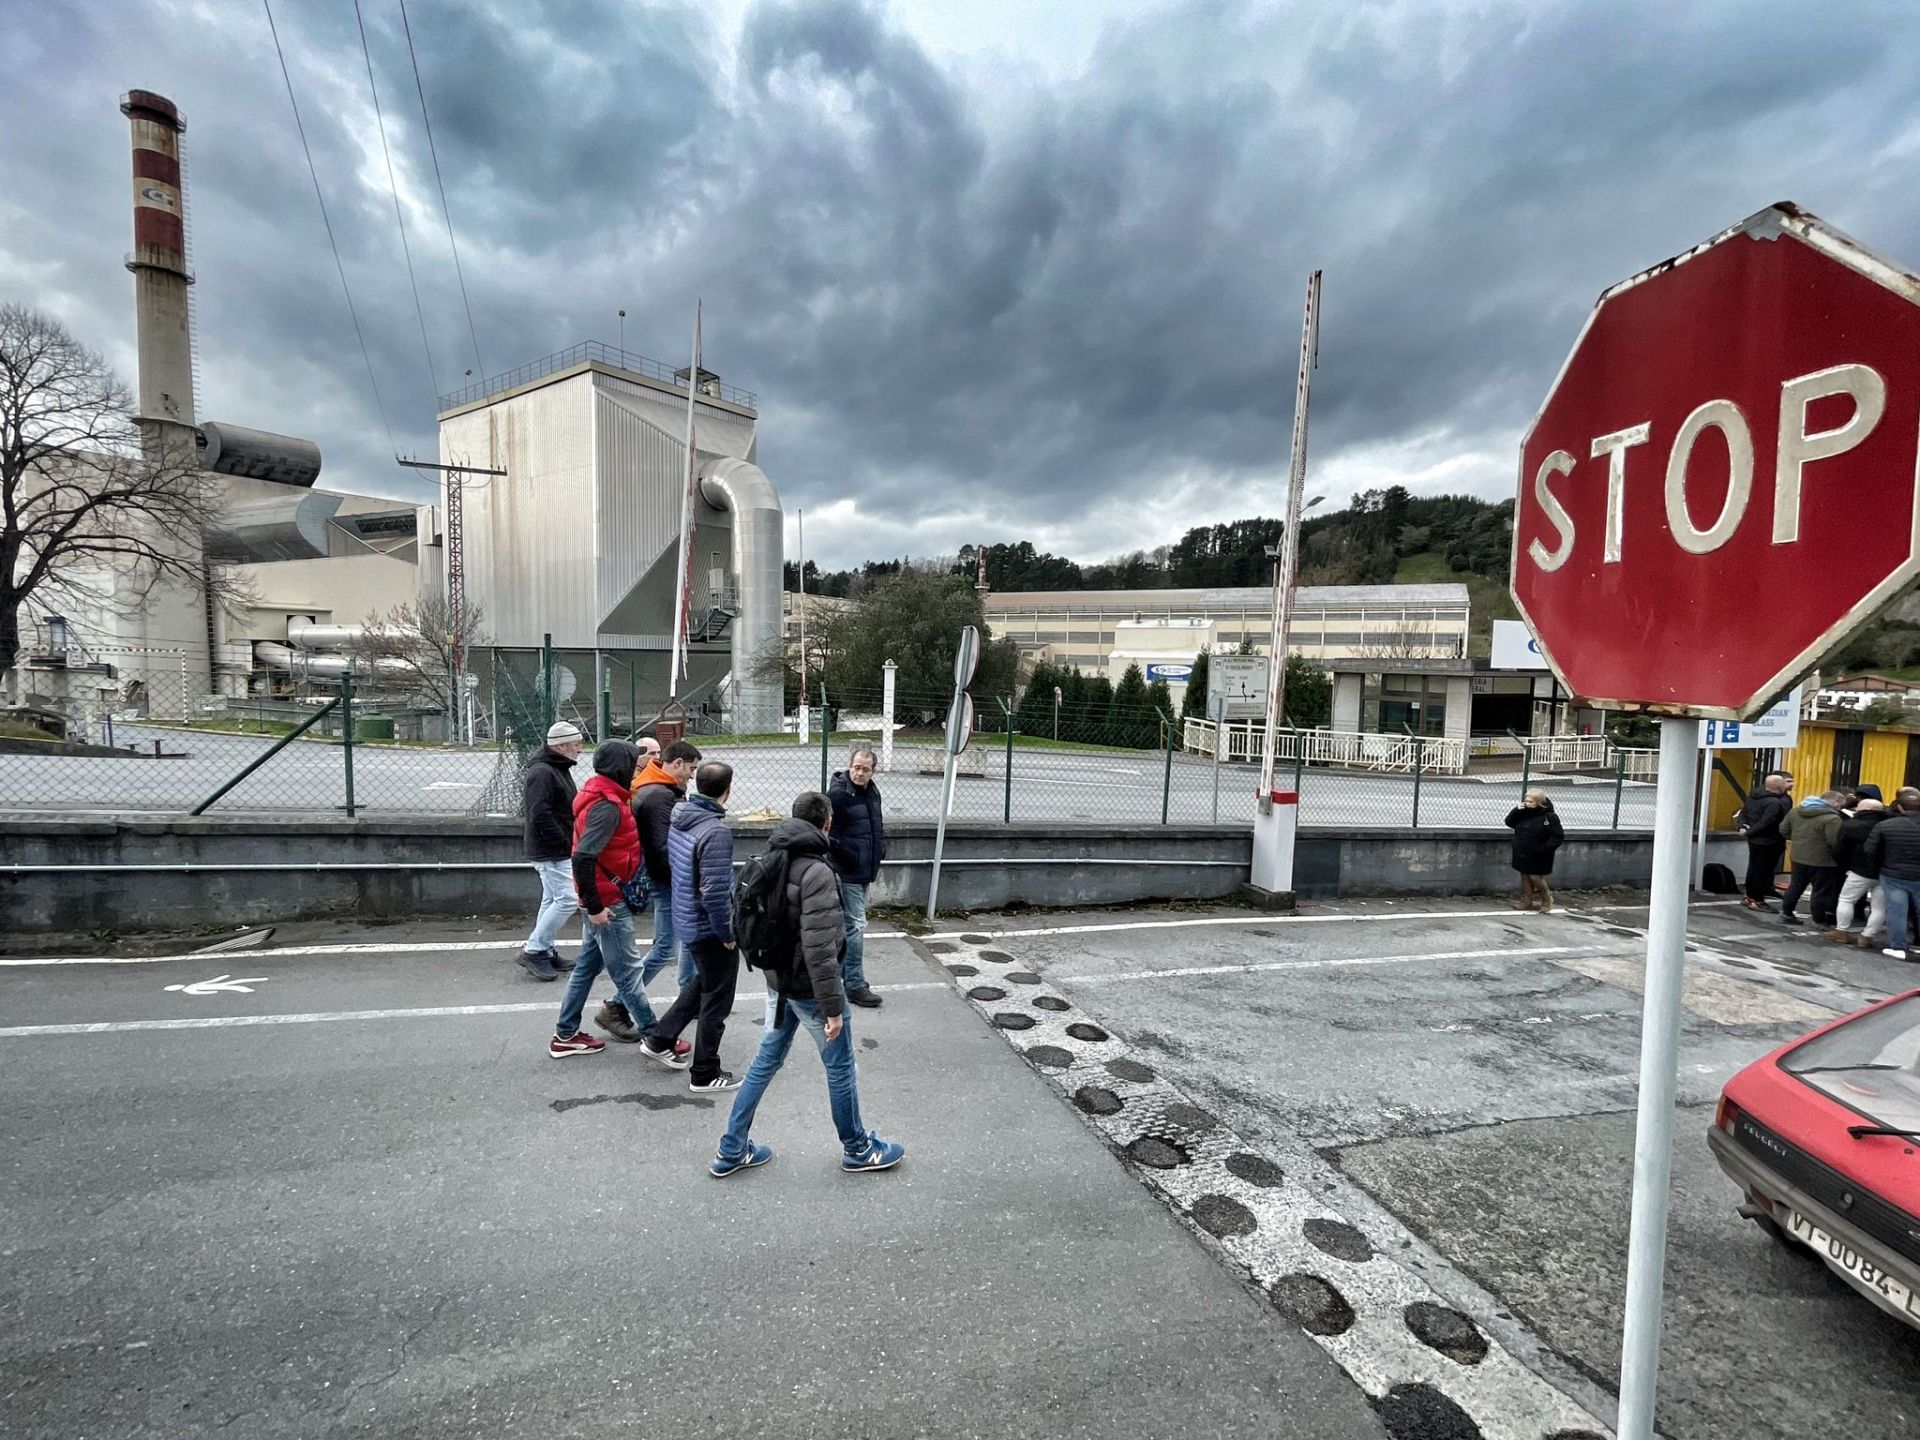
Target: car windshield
[1871, 1064]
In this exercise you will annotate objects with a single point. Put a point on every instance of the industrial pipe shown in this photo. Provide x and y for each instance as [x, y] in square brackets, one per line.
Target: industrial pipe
[759, 704]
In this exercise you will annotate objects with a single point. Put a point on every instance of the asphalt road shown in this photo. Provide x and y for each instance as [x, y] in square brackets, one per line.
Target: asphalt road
[1047, 785]
[359, 1199]
[1459, 1082]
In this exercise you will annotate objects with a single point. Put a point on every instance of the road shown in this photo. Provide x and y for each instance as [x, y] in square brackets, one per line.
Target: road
[356, 1198]
[1050, 785]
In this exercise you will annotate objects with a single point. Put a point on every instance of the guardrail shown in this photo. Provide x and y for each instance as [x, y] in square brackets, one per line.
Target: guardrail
[1337, 749]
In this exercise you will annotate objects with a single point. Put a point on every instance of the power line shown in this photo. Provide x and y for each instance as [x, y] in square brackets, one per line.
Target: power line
[445, 209]
[345, 289]
[394, 186]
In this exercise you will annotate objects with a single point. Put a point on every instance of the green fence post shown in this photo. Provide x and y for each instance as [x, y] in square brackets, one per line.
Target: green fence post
[823, 737]
[1619, 782]
[1006, 805]
[633, 701]
[546, 682]
[1166, 784]
[603, 716]
[273, 750]
[346, 731]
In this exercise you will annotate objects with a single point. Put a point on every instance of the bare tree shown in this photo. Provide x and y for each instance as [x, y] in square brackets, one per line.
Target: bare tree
[88, 514]
[411, 648]
[1403, 642]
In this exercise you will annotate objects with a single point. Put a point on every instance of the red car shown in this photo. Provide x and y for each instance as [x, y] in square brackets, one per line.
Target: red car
[1824, 1137]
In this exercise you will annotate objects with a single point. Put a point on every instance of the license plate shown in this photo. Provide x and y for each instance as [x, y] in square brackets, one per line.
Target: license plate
[1850, 1262]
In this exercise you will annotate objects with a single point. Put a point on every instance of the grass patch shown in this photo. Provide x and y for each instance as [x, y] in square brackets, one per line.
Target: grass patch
[21, 730]
[1487, 599]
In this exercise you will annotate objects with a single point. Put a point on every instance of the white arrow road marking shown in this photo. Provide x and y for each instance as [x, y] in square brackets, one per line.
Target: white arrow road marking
[220, 984]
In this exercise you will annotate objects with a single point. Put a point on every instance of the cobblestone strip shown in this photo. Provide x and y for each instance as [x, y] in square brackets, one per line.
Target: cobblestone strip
[1430, 1371]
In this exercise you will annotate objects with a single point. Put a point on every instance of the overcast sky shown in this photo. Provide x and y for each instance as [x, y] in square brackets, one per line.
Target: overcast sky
[998, 269]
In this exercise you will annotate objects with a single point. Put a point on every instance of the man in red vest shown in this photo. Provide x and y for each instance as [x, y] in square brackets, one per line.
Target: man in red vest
[606, 855]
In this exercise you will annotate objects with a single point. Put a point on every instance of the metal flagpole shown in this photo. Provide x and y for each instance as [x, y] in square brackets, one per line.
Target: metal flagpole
[683, 593]
[800, 519]
[1290, 542]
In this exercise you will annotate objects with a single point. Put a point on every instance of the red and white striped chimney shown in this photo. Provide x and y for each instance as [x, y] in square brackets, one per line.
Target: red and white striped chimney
[159, 260]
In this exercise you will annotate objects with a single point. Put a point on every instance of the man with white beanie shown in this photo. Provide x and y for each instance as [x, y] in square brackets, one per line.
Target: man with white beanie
[547, 806]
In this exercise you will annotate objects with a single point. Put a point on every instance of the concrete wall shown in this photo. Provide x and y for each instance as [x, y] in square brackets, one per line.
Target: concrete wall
[1346, 702]
[77, 876]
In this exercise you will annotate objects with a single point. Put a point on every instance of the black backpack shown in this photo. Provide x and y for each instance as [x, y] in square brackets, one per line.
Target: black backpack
[763, 926]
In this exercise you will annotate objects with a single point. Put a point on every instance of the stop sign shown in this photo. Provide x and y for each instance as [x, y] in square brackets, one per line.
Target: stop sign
[1722, 483]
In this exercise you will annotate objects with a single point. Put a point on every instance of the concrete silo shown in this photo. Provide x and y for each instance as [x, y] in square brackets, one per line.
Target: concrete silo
[579, 539]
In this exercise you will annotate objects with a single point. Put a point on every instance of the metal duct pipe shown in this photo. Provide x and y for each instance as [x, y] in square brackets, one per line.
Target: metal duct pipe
[307, 635]
[759, 539]
[269, 655]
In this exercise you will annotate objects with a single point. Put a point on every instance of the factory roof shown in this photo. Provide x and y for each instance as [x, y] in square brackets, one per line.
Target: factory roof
[1232, 597]
[611, 355]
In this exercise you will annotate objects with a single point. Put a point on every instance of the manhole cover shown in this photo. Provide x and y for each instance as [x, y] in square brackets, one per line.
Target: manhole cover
[1051, 1002]
[1095, 1101]
[1222, 1216]
[941, 947]
[996, 957]
[1051, 1055]
[1009, 1020]
[1254, 1169]
[1130, 1070]
[1191, 1117]
[977, 939]
[1158, 1154]
[986, 992]
[1338, 1239]
[1448, 1331]
[1312, 1304]
[962, 971]
[1084, 1031]
[1421, 1412]
[1023, 977]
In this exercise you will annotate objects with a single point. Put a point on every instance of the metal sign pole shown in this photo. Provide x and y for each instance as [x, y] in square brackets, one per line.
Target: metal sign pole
[959, 728]
[1218, 705]
[1697, 875]
[1659, 1051]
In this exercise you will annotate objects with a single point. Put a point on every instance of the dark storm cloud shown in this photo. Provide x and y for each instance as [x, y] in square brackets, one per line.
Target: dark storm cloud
[976, 303]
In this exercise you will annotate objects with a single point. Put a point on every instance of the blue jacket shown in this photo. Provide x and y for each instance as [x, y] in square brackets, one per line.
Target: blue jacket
[859, 838]
[700, 851]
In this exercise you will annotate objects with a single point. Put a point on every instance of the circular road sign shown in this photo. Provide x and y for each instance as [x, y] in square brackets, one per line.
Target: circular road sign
[1721, 485]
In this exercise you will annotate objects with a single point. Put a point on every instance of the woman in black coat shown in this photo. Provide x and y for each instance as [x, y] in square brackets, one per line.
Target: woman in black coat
[1536, 835]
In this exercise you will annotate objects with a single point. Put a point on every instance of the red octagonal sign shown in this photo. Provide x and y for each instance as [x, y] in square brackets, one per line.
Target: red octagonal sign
[1722, 484]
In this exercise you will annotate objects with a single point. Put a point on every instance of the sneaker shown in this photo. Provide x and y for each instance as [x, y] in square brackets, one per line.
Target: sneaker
[756, 1155]
[1840, 937]
[562, 963]
[671, 1056]
[683, 1049]
[881, 1155]
[613, 1018]
[1791, 920]
[722, 1080]
[864, 997]
[580, 1044]
[1894, 954]
[537, 965]
[1753, 904]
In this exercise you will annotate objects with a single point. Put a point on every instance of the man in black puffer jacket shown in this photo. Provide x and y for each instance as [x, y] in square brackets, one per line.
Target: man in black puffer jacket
[546, 804]
[859, 845]
[812, 998]
[1894, 847]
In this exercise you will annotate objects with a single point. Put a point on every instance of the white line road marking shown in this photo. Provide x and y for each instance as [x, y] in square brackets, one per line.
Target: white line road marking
[1709, 995]
[321, 1017]
[220, 985]
[1333, 963]
[425, 947]
[1232, 920]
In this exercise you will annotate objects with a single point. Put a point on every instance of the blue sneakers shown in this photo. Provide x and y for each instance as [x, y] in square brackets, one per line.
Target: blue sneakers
[881, 1155]
[756, 1155]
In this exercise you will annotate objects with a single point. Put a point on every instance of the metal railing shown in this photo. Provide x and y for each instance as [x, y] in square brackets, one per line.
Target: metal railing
[579, 355]
[1335, 749]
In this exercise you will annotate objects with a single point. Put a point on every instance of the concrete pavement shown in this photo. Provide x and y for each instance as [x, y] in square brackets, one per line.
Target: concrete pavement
[357, 1198]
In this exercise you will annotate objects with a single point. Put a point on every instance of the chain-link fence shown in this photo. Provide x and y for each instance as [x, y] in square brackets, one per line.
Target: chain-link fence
[143, 739]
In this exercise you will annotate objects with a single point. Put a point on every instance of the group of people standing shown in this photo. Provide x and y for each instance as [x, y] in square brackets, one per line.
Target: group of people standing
[1851, 856]
[632, 838]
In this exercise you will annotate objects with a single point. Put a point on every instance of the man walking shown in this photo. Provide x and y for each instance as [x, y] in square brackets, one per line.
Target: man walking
[546, 802]
[1759, 821]
[606, 856]
[659, 788]
[809, 996]
[1813, 829]
[1894, 846]
[1863, 877]
[859, 845]
[700, 851]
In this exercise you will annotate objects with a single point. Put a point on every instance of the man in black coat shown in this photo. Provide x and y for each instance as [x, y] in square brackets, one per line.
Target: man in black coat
[546, 807]
[859, 844]
[1759, 821]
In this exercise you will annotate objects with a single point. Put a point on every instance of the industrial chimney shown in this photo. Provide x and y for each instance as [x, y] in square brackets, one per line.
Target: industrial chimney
[159, 266]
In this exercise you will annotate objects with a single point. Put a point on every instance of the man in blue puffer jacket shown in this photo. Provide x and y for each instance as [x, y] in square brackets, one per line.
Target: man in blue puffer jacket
[859, 843]
[700, 852]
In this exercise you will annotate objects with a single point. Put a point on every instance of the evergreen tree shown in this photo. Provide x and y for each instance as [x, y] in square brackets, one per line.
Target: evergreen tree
[1127, 716]
[1309, 693]
[1160, 703]
[1193, 705]
[1093, 712]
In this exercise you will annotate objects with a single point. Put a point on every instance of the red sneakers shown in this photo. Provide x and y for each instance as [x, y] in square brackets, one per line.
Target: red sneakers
[683, 1047]
[580, 1044]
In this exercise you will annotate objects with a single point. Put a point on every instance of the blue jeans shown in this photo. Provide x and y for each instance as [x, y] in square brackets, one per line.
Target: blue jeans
[666, 945]
[853, 964]
[842, 1077]
[557, 902]
[1902, 896]
[606, 947]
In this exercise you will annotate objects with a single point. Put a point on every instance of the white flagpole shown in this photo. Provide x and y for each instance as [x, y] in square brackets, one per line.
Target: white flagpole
[800, 520]
[1290, 542]
[683, 587]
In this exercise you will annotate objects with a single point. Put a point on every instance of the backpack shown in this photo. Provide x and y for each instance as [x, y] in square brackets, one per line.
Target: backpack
[1717, 879]
[763, 926]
